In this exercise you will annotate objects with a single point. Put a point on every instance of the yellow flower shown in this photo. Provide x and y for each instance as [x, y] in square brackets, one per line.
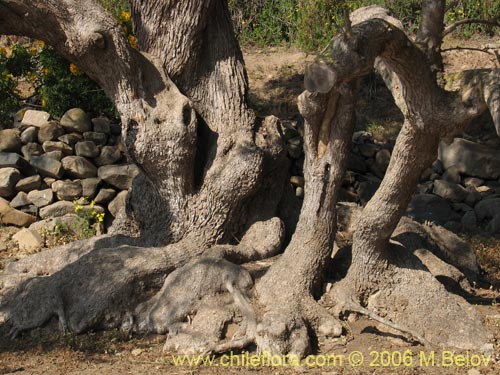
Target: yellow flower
[92, 203]
[46, 71]
[44, 102]
[74, 69]
[33, 51]
[243, 22]
[125, 16]
[133, 41]
[9, 75]
[78, 208]
[41, 44]
[100, 217]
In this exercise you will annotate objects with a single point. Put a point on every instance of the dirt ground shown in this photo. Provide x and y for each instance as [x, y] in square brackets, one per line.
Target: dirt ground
[275, 77]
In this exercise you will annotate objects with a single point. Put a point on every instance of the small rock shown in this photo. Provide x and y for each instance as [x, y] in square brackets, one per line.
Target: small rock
[35, 118]
[9, 177]
[485, 191]
[49, 131]
[49, 146]
[452, 175]
[29, 183]
[47, 167]
[430, 207]
[98, 138]
[473, 181]
[79, 167]
[471, 158]
[89, 187]
[449, 190]
[118, 203]
[10, 140]
[49, 181]
[299, 192]
[56, 155]
[57, 209]
[119, 176]
[361, 137]
[487, 209]
[87, 149]
[473, 371]
[28, 240]
[13, 160]
[71, 138]
[137, 352]
[438, 167]
[494, 224]
[20, 200]
[11, 216]
[426, 175]
[105, 196]
[101, 125]
[41, 198]
[67, 190]
[29, 135]
[469, 221]
[76, 120]
[31, 149]
[297, 181]
[109, 155]
[472, 198]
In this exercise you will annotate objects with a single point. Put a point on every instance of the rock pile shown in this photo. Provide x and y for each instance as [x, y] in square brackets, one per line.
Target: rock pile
[461, 191]
[46, 164]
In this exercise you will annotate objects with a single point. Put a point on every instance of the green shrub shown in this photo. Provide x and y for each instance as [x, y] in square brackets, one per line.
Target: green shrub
[9, 97]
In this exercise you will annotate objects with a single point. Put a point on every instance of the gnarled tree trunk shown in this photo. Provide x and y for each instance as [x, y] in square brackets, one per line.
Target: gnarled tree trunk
[213, 173]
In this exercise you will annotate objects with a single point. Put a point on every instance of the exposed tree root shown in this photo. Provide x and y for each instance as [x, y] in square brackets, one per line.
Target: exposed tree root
[405, 294]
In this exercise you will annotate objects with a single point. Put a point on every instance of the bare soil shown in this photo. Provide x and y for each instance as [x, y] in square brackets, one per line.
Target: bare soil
[276, 77]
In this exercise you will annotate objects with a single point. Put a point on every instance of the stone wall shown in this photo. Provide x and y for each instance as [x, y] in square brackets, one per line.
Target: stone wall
[46, 165]
[461, 190]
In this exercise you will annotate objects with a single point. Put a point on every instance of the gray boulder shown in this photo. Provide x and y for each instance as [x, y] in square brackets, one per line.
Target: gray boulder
[8, 180]
[449, 190]
[430, 207]
[452, 175]
[487, 209]
[471, 158]
[71, 138]
[35, 118]
[118, 203]
[29, 183]
[101, 125]
[10, 140]
[28, 239]
[57, 209]
[20, 200]
[87, 149]
[105, 196]
[90, 186]
[56, 155]
[98, 138]
[109, 155]
[79, 167]
[41, 198]
[11, 216]
[29, 135]
[76, 120]
[67, 190]
[49, 131]
[31, 149]
[47, 167]
[49, 146]
[13, 160]
[119, 176]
